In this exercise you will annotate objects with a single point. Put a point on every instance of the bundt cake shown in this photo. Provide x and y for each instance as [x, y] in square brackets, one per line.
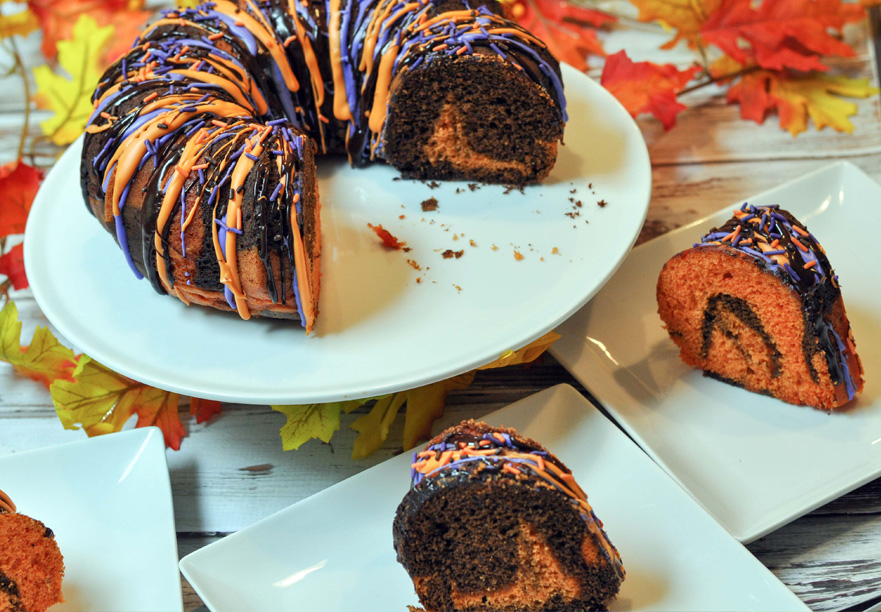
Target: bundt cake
[757, 304]
[199, 154]
[493, 522]
[31, 566]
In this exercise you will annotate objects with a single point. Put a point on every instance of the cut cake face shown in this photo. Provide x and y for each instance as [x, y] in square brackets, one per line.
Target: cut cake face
[756, 304]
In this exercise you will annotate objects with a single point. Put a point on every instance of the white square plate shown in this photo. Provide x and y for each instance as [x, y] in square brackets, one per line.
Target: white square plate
[108, 500]
[754, 462]
[333, 551]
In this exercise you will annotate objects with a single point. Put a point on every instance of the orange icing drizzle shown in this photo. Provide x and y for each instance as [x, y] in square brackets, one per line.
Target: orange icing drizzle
[341, 108]
[6, 503]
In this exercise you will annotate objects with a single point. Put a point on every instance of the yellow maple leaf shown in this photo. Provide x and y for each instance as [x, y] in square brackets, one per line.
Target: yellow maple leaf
[426, 404]
[307, 421]
[528, 353]
[684, 16]
[44, 360]
[819, 97]
[69, 96]
[100, 401]
[373, 427]
[18, 24]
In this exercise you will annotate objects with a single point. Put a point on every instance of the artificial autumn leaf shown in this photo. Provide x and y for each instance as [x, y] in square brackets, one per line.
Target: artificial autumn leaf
[307, 421]
[388, 240]
[44, 360]
[19, 184]
[70, 98]
[18, 24]
[426, 404]
[781, 34]
[57, 20]
[203, 409]
[795, 98]
[645, 87]
[373, 427]
[101, 401]
[527, 354]
[12, 266]
[684, 16]
[566, 28]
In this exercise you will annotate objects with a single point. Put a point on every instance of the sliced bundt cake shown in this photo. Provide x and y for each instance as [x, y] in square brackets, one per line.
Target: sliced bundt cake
[493, 522]
[757, 304]
[31, 566]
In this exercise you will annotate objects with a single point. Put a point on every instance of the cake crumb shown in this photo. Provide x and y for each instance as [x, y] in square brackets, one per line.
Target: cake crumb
[433, 185]
[472, 243]
[455, 237]
[555, 251]
[458, 190]
[388, 240]
[414, 264]
[541, 258]
[429, 204]
[450, 254]
[602, 203]
[402, 216]
[458, 288]
[573, 191]
[518, 256]
[495, 248]
[419, 279]
[473, 186]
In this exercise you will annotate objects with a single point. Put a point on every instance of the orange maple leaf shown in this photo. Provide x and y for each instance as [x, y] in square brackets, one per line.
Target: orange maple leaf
[203, 409]
[567, 29]
[645, 87]
[12, 266]
[781, 34]
[18, 188]
[797, 98]
[44, 360]
[684, 17]
[57, 18]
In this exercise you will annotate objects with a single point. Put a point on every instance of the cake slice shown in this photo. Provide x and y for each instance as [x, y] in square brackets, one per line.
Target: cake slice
[757, 304]
[493, 522]
[31, 566]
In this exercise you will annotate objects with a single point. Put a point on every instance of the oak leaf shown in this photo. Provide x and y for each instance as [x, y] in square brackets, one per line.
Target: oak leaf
[797, 98]
[645, 87]
[44, 360]
[12, 266]
[21, 23]
[100, 401]
[781, 34]
[567, 29]
[685, 17]
[70, 98]
[19, 184]
[308, 421]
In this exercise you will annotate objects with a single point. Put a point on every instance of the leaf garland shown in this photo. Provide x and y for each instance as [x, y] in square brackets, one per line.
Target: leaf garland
[775, 51]
[424, 405]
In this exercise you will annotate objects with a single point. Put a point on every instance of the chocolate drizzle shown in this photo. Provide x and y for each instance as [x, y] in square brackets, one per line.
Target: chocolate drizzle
[780, 244]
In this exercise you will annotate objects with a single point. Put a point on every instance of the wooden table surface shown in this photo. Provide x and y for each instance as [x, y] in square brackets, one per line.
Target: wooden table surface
[233, 472]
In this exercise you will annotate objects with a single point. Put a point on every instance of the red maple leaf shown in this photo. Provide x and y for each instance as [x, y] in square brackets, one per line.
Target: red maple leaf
[388, 240]
[18, 187]
[12, 266]
[780, 34]
[567, 29]
[645, 87]
[57, 18]
[203, 409]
